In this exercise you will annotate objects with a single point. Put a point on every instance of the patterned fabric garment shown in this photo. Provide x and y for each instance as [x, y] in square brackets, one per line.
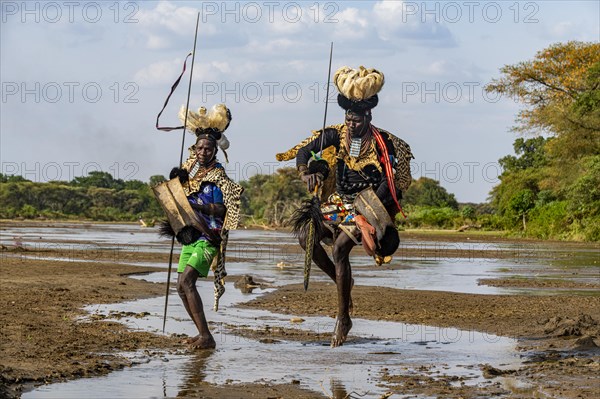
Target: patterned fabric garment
[209, 193]
[336, 210]
[230, 189]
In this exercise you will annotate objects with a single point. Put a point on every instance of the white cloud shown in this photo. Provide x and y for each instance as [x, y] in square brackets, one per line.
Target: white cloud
[451, 69]
[167, 15]
[437, 68]
[393, 23]
[155, 42]
[563, 30]
[267, 47]
[155, 74]
[213, 71]
[352, 24]
[166, 24]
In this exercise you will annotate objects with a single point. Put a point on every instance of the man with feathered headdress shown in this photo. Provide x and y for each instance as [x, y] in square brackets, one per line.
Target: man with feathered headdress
[361, 177]
[215, 199]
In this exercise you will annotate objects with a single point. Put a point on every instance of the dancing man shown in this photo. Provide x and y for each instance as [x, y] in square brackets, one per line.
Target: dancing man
[357, 157]
[216, 201]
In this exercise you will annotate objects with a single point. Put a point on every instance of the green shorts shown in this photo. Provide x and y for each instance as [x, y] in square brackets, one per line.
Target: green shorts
[198, 255]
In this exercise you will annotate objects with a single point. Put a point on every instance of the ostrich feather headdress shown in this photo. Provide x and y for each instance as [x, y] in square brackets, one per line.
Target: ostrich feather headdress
[358, 88]
[211, 123]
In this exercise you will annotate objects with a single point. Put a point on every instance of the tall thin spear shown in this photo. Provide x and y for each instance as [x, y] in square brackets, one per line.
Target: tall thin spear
[187, 106]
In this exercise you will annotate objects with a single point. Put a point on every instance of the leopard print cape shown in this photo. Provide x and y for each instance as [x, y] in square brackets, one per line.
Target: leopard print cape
[402, 151]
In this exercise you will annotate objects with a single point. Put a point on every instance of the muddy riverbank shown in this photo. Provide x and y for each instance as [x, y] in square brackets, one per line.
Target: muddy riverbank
[46, 337]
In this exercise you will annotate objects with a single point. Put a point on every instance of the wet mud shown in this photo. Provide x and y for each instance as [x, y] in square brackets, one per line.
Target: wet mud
[47, 337]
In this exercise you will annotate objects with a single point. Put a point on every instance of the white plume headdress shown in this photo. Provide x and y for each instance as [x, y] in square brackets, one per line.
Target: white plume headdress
[358, 88]
[358, 84]
[213, 122]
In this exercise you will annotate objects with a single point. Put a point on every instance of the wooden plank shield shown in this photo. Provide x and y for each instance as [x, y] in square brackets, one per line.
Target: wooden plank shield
[172, 199]
[369, 205]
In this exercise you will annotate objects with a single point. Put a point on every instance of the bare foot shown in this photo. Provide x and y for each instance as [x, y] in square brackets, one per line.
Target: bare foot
[204, 343]
[342, 328]
[191, 340]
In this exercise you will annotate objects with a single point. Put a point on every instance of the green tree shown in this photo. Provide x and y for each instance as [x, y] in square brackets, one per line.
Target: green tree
[587, 103]
[156, 180]
[28, 211]
[272, 198]
[468, 212]
[584, 195]
[560, 88]
[531, 154]
[521, 203]
[428, 192]
[11, 178]
[98, 179]
[134, 185]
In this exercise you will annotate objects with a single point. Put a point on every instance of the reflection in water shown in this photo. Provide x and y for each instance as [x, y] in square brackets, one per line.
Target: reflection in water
[246, 284]
[338, 391]
[194, 373]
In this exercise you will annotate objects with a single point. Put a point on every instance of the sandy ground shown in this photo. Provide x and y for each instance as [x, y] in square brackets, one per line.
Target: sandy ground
[43, 338]
[559, 335]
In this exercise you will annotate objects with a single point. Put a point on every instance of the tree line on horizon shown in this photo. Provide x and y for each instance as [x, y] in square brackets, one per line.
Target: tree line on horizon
[550, 187]
[267, 200]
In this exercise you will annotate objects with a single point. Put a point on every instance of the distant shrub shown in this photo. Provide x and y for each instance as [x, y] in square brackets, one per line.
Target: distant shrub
[548, 221]
[444, 218]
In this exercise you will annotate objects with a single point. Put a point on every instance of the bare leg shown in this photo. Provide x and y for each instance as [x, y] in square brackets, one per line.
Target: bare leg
[183, 297]
[341, 254]
[186, 287]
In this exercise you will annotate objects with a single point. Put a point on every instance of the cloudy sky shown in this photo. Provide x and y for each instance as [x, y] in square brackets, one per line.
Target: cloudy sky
[82, 82]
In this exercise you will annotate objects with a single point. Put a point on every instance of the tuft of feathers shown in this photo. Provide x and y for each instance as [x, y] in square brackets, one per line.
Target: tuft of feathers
[309, 211]
[165, 230]
[216, 120]
[358, 84]
[188, 235]
[183, 174]
[223, 142]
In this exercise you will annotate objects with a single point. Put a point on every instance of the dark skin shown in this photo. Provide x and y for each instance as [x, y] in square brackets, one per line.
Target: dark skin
[205, 150]
[339, 270]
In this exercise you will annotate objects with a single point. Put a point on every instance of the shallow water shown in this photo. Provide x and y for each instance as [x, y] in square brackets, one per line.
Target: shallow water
[373, 345]
[356, 366]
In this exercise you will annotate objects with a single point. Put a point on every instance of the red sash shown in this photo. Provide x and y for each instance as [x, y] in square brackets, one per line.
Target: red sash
[387, 165]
